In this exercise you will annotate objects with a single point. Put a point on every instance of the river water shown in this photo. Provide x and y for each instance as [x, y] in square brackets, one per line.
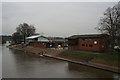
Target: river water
[16, 64]
[0, 61]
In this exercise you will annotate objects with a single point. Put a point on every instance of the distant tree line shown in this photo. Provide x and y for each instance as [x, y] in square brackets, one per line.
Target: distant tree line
[4, 38]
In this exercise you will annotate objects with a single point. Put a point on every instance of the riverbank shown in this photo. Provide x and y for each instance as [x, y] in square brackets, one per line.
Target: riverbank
[71, 56]
[98, 60]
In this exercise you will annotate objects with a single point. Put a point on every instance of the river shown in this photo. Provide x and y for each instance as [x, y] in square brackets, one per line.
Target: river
[0, 61]
[16, 64]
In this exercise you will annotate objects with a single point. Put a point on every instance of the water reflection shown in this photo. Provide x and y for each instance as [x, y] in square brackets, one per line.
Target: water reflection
[17, 64]
[91, 71]
[0, 61]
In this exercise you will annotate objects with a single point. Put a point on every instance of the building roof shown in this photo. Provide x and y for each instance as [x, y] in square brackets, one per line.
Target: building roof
[87, 36]
[40, 38]
[43, 39]
[46, 39]
[33, 37]
[56, 39]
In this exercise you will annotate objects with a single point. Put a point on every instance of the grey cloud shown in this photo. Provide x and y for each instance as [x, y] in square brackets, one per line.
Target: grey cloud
[54, 19]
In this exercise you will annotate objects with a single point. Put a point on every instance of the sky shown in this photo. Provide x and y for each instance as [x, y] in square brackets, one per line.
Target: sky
[54, 18]
[0, 18]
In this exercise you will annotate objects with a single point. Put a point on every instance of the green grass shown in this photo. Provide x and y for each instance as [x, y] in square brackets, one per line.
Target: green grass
[102, 56]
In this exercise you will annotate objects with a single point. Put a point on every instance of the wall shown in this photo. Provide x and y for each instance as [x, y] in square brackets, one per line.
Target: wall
[73, 44]
[37, 44]
[55, 44]
[89, 44]
[104, 44]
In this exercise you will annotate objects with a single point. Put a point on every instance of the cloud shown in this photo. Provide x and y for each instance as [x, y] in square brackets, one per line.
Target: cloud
[0, 18]
[54, 18]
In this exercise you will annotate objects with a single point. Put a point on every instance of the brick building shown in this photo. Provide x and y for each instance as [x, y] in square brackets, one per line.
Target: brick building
[91, 42]
[38, 41]
[45, 42]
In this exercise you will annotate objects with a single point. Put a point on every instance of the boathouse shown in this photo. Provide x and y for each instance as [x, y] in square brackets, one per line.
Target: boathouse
[45, 42]
[57, 42]
[90, 42]
[38, 41]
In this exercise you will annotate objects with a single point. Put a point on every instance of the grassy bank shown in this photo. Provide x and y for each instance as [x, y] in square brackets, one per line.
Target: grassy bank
[111, 58]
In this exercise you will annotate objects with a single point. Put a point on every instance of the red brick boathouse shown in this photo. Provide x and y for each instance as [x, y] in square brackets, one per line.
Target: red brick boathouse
[91, 42]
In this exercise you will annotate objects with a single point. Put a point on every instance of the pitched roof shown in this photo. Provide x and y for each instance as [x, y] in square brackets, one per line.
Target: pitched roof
[87, 36]
[40, 38]
[36, 36]
[33, 37]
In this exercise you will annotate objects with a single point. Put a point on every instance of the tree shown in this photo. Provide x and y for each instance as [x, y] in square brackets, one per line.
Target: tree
[25, 30]
[110, 24]
[22, 31]
[16, 37]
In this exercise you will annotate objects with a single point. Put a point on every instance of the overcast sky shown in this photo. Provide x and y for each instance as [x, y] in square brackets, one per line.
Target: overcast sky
[54, 18]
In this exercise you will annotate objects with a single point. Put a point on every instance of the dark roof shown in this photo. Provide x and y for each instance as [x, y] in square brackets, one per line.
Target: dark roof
[87, 36]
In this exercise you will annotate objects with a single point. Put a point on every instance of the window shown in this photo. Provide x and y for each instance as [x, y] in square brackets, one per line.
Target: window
[83, 44]
[86, 45]
[90, 45]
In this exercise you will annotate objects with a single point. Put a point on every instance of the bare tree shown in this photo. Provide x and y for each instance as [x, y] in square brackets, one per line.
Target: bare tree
[25, 30]
[110, 24]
